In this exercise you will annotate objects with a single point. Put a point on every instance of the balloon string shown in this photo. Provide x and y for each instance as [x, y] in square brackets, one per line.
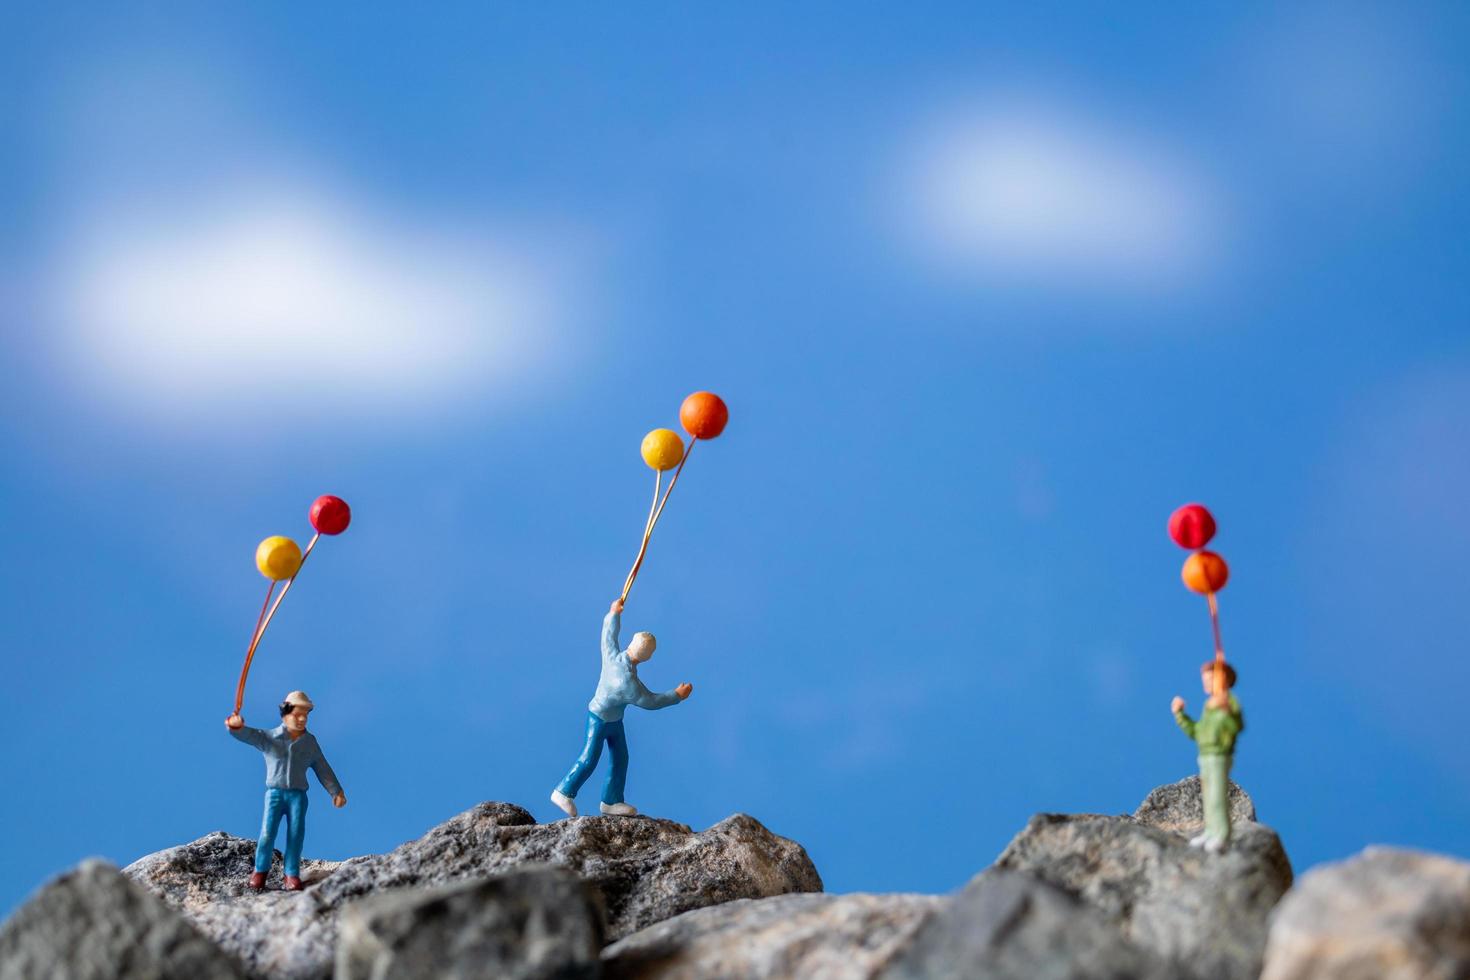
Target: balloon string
[250, 652]
[658, 477]
[653, 520]
[672, 482]
[272, 614]
[1219, 647]
[658, 480]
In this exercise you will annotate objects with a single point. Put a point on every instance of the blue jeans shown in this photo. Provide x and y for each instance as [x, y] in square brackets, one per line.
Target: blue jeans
[291, 804]
[599, 731]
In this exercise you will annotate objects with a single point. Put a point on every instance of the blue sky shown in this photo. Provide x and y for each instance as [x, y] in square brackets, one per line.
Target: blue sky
[989, 292]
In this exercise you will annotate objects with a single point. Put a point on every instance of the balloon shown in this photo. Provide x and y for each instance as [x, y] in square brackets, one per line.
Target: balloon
[663, 449]
[1191, 526]
[330, 515]
[278, 558]
[1205, 572]
[703, 415]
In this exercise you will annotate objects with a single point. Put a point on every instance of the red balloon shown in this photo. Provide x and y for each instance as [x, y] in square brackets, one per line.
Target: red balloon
[704, 415]
[1191, 526]
[330, 515]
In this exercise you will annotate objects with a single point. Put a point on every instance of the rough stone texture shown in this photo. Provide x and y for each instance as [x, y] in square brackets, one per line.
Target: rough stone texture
[1010, 926]
[1179, 808]
[94, 924]
[531, 924]
[1205, 914]
[809, 936]
[646, 870]
[274, 933]
[1386, 914]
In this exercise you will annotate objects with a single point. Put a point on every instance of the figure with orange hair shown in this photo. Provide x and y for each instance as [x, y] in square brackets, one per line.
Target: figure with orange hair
[1215, 733]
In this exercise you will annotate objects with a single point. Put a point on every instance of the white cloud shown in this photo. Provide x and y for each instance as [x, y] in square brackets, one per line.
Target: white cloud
[1021, 191]
[247, 295]
[207, 262]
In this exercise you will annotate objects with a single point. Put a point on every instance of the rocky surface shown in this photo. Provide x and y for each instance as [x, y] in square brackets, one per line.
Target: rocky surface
[809, 936]
[94, 924]
[645, 870]
[493, 893]
[1071, 897]
[536, 923]
[1179, 807]
[1010, 926]
[1204, 914]
[1386, 914]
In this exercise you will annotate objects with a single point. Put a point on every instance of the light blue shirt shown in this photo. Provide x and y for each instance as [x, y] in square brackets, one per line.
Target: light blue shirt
[287, 759]
[619, 685]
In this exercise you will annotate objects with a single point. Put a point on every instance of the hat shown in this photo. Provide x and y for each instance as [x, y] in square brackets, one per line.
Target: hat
[298, 699]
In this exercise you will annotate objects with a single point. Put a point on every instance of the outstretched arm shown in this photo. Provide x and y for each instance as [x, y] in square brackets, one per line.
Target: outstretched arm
[244, 733]
[652, 702]
[610, 626]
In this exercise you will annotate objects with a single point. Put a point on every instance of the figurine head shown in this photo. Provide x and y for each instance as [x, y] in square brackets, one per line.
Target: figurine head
[294, 710]
[1207, 676]
[642, 647]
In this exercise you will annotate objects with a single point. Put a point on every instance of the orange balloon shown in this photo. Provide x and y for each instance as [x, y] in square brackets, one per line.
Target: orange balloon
[1205, 572]
[704, 415]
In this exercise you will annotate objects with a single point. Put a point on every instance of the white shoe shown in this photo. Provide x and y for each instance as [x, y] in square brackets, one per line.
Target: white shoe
[1214, 845]
[618, 809]
[565, 802]
[1198, 840]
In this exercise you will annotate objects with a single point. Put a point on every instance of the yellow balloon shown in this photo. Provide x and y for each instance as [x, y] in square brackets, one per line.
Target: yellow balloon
[278, 557]
[663, 449]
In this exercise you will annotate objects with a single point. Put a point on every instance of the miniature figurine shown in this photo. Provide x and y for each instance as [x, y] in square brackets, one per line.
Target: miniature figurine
[1215, 734]
[289, 751]
[617, 688]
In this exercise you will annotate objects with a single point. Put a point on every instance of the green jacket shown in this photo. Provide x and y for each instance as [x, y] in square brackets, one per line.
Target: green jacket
[1216, 730]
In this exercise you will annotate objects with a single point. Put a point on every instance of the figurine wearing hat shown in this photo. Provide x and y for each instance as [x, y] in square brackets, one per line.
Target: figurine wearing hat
[289, 751]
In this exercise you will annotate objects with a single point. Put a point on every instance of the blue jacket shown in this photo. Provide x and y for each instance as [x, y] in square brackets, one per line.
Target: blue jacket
[286, 760]
[619, 685]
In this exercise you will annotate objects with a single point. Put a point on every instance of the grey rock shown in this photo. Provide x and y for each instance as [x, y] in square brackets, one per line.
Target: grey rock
[1179, 808]
[94, 924]
[1385, 914]
[1205, 914]
[531, 924]
[274, 933]
[646, 870]
[808, 936]
[1009, 926]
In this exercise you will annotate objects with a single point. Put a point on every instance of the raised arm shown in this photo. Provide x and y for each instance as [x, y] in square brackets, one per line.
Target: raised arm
[610, 625]
[248, 735]
[1185, 723]
[1236, 716]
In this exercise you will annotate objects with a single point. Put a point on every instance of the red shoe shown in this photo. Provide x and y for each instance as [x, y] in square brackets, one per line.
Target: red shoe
[293, 883]
[257, 880]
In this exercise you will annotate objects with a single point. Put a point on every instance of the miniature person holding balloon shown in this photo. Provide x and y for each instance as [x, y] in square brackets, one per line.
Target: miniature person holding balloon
[703, 415]
[1206, 573]
[289, 751]
[617, 689]
[1215, 733]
